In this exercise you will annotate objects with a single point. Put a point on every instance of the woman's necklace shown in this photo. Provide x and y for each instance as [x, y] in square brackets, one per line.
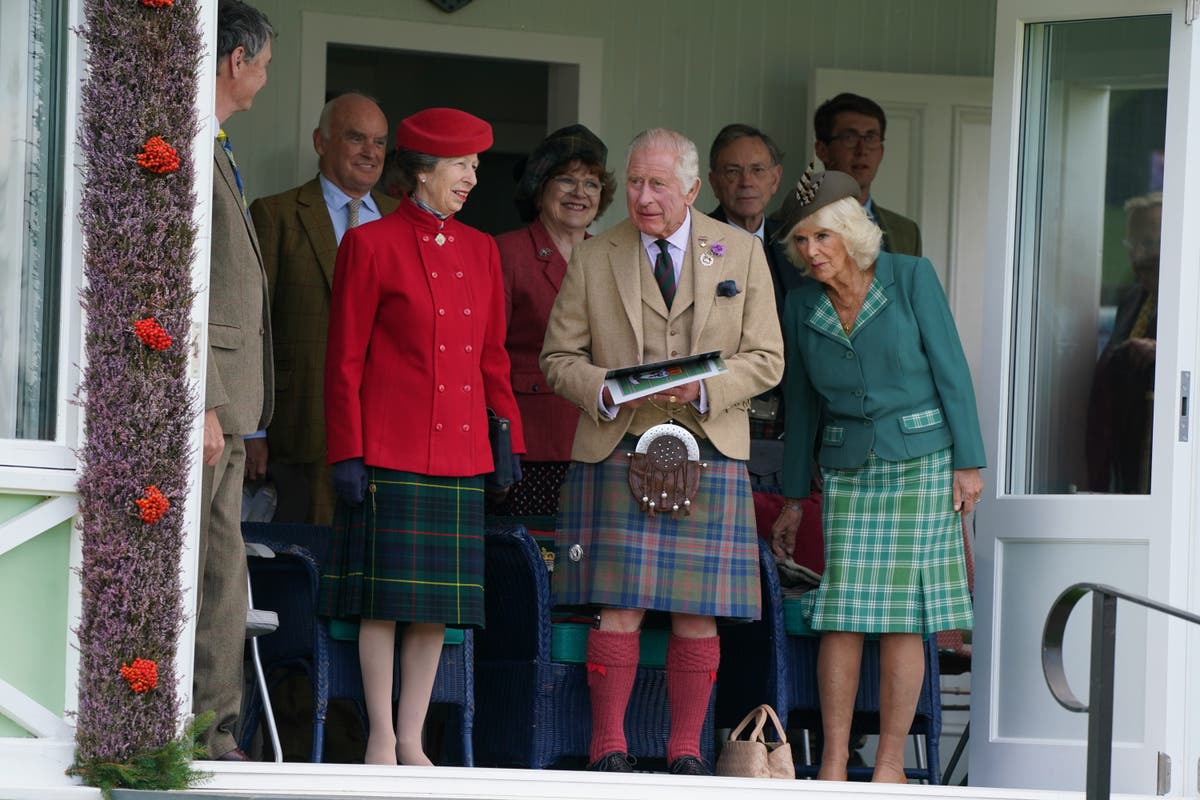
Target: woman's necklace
[847, 314]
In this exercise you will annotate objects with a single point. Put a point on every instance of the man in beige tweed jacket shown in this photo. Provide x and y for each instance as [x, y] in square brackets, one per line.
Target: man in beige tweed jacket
[663, 284]
[238, 391]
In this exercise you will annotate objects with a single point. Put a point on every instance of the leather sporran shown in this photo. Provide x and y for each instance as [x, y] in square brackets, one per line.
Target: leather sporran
[664, 472]
[754, 756]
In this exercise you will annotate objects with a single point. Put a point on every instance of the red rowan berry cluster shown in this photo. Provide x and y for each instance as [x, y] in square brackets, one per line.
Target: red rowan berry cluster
[158, 156]
[142, 674]
[152, 334]
[153, 505]
[157, 3]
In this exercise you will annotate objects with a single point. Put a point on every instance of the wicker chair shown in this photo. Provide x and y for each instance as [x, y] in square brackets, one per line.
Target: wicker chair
[288, 585]
[532, 711]
[754, 663]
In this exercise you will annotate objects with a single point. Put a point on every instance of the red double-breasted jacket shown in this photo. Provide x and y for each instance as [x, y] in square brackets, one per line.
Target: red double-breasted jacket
[533, 271]
[416, 347]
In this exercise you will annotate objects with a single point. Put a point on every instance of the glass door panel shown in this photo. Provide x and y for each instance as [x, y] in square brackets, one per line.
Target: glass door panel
[1089, 208]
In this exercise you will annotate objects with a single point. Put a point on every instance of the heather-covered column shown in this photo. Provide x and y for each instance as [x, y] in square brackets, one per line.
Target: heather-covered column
[137, 123]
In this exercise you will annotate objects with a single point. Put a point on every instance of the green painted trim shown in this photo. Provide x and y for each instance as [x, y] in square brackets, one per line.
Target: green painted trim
[33, 613]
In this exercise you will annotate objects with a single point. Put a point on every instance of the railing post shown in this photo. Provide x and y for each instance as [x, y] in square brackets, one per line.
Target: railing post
[1100, 696]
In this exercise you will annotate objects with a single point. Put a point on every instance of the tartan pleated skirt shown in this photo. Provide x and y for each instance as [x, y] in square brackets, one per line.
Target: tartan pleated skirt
[411, 552]
[894, 560]
[705, 564]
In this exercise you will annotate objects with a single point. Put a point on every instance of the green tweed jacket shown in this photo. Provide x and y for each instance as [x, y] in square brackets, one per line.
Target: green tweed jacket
[299, 248]
[899, 386]
[900, 234]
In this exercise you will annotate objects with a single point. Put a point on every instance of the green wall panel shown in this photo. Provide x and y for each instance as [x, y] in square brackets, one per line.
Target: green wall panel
[33, 613]
[692, 65]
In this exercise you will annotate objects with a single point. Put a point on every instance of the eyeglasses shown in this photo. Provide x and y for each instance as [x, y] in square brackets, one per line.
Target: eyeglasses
[850, 139]
[588, 186]
[1144, 244]
[733, 172]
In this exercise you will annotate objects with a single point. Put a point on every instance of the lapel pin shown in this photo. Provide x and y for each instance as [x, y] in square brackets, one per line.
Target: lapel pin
[544, 252]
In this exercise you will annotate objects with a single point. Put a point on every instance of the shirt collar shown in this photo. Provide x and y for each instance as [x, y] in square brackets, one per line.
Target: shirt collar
[869, 207]
[678, 239]
[335, 198]
[428, 208]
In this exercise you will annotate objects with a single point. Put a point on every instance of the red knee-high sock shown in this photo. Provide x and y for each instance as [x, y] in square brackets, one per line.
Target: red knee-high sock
[691, 671]
[612, 659]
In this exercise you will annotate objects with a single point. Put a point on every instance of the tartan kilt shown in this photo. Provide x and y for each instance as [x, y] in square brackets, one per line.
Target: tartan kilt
[704, 564]
[894, 560]
[411, 552]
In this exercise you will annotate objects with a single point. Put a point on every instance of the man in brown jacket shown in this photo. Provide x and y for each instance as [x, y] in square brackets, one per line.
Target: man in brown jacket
[299, 231]
[239, 386]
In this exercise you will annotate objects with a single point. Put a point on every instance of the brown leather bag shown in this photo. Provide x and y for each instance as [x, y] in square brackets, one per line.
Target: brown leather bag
[755, 757]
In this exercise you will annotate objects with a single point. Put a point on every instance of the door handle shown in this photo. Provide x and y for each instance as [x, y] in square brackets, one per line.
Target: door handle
[1185, 392]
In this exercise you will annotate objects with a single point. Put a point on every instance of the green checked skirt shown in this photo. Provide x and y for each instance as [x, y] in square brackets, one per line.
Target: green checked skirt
[894, 559]
[411, 552]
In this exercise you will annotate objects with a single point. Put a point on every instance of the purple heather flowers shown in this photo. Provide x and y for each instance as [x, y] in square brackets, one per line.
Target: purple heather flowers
[138, 406]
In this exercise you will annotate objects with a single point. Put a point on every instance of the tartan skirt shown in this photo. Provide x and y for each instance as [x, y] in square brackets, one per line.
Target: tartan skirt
[894, 560]
[705, 564]
[411, 552]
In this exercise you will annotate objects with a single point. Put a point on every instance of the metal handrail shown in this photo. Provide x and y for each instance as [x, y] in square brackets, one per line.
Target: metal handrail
[1100, 690]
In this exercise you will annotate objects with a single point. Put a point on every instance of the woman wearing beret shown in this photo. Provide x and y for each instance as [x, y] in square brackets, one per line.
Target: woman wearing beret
[415, 358]
[879, 388]
[563, 188]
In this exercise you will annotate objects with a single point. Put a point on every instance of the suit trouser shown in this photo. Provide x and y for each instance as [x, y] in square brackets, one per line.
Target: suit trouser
[221, 622]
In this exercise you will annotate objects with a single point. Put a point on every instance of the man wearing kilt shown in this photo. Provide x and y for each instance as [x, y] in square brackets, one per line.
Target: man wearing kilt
[663, 284]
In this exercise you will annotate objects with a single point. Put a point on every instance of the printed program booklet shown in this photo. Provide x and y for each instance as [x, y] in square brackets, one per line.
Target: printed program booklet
[630, 383]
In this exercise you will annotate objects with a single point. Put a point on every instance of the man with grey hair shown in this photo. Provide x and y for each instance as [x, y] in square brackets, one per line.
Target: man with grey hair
[239, 386]
[664, 284]
[299, 231]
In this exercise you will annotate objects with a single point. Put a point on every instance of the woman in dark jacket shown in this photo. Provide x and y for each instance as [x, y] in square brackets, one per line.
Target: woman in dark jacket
[415, 358]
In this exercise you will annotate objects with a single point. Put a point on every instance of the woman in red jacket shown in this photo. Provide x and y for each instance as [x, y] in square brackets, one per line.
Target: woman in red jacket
[415, 357]
[564, 187]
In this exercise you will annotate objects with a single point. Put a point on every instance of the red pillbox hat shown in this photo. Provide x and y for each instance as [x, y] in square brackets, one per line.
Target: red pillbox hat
[444, 132]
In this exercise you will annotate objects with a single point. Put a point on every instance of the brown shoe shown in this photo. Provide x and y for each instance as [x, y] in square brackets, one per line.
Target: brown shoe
[236, 754]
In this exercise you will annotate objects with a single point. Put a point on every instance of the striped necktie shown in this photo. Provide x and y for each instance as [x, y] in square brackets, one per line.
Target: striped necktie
[664, 272]
[237, 176]
[352, 212]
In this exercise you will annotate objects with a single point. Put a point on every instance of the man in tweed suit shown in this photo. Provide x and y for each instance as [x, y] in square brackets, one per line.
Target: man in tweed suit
[663, 284]
[850, 130]
[299, 231]
[238, 386]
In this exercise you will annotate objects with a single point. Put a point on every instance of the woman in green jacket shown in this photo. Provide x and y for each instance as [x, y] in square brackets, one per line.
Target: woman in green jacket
[879, 389]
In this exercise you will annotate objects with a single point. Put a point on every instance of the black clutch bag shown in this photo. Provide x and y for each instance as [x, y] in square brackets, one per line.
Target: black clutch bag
[500, 437]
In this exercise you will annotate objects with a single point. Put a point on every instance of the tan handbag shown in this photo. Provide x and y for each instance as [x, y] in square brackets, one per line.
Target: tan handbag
[755, 757]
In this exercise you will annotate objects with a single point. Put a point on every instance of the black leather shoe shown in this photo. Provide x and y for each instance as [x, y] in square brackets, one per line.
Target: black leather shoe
[615, 761]
[689, 765]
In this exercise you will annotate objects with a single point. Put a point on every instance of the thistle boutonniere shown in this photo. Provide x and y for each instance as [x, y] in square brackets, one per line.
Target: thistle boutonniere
[728, 289]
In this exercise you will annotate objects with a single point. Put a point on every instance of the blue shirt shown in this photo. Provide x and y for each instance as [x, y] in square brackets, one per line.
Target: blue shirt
[338, 203]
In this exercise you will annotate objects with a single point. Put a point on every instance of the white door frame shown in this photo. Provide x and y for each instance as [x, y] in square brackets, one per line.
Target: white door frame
[1170, 715]
[575, 64]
